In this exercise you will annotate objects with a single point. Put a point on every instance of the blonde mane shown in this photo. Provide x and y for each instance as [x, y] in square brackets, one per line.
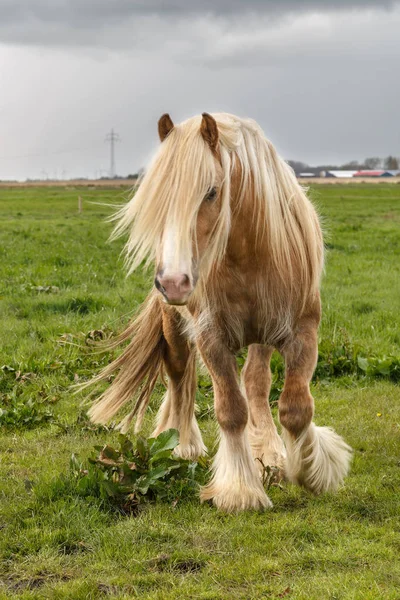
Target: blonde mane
[184, 170]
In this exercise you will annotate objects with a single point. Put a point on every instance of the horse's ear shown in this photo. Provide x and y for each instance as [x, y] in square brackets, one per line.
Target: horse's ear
[165, 126]
[209, 130]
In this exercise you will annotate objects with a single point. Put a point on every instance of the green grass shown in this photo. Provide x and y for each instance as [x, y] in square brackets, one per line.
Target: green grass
[59, 280]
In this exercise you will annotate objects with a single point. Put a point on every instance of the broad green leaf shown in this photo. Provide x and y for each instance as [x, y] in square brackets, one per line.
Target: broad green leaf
[384, 366]
[110, 488]
[363, 363]
[157, 473]
[126, 445]
[161, 455]
[167, 440]
[142, 447]
[109, 452]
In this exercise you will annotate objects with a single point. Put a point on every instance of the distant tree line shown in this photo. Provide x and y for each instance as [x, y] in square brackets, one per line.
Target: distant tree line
[390, 163]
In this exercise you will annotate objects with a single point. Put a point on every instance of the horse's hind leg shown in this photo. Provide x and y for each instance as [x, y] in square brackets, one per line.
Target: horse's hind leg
[317, 458]
[177, 409]
[265, 442]
[235, 484]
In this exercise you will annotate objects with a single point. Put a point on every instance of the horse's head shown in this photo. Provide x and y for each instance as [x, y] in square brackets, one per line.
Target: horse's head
[195, 204]
[213, 176]
[179, 217]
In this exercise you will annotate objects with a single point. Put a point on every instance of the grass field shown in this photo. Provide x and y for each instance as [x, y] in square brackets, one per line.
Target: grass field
[60, 280]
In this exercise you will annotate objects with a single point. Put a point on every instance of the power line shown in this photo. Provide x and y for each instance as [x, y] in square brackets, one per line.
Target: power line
[112, 137]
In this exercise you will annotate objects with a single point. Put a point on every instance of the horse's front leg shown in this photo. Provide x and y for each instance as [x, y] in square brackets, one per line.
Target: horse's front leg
[177, 409]
[317, 458]
[235, 484]
[265, 442]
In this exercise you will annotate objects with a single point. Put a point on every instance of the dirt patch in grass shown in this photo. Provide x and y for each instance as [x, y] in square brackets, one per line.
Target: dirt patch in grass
[165, 562]
[34, 582]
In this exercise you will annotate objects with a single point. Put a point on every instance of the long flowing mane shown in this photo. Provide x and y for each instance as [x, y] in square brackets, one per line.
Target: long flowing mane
[184, 170]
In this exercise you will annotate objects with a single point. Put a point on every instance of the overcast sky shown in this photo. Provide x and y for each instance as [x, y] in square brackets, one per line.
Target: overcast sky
[321, 78]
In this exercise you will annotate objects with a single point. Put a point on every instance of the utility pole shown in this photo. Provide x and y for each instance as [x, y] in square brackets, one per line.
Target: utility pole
[112, 137]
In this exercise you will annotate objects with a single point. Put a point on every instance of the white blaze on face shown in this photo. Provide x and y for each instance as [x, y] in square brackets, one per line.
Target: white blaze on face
[171, 264]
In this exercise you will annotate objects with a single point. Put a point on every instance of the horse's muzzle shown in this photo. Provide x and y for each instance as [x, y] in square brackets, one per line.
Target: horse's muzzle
[175, 288]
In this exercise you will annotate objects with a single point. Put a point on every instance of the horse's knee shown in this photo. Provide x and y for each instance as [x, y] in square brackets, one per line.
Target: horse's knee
[296, 409]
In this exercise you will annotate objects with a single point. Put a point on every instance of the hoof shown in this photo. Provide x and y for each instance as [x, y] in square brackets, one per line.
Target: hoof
[318, 460]
[190, 451]
[235, 498]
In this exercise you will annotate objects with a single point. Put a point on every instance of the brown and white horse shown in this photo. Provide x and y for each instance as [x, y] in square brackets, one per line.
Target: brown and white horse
[239, 253]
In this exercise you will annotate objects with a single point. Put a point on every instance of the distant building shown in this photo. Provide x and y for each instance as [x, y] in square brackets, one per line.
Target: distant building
[391, 173]
[341, 174]
[349, 174]
[376, 173]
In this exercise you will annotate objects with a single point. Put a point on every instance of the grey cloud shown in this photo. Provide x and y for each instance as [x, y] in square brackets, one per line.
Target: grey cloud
[115, 23]
[310, 38]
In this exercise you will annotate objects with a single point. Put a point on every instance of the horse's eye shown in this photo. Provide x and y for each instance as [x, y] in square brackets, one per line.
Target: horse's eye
[212, 194]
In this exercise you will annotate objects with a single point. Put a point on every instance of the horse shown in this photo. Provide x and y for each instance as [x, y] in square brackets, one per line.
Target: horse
[238, 251]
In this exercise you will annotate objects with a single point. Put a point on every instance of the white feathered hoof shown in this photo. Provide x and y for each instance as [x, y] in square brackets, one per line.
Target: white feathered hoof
[318, 460]
[191, 445]
[191, 451]
[235, 484]
[270, 456]
[236, 497]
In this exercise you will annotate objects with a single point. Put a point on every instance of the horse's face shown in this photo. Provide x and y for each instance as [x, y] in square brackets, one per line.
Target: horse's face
[176, 277]
[176, 281]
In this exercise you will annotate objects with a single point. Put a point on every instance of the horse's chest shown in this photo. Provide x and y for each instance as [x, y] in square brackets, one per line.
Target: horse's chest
[242, 319]
[241, 311]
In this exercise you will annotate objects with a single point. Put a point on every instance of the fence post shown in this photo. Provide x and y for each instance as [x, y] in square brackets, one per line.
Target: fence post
[79, 205]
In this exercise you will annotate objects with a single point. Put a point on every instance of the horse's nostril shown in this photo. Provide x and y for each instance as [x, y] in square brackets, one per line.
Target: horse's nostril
[158, 285]
[185, 284]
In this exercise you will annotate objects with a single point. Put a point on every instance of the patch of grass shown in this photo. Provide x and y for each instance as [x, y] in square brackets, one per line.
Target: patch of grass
[15, 413]
[363, 308]
[59, 280]
[388, 366]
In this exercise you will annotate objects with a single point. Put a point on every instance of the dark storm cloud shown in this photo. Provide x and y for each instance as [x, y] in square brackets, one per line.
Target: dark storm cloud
[108, 23]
